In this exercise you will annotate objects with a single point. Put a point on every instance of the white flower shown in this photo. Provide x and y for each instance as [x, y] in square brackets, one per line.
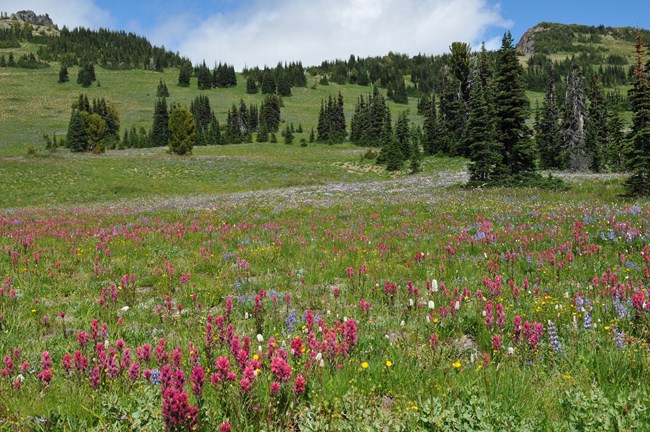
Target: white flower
[434, 285]
[20, 377]
[484, 313]
[457, 305]
[106, 343]
[428, 319]
[319, 356]
[124, 309]
[260, 338]
[411, 303]
[511, 350]
[431, 304]
[321, 363]
[246, 315]
[329, 312]
[402, 323]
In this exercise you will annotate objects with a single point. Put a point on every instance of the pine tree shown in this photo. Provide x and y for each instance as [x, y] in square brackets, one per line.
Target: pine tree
[415, 161]
[615, 148]
[574, 113]
[76, 138]
[262, 134]
[204, 77]
[181, 131]
[402, 134]
[400, 95]
[511, 109]
[251, 87]
[288, 135]
[160, 127]
[486, 152]
[452, 121]
[638, 158]
[63, 74]
[430, 139]
[269, 113]
[596, 128]
[268, 82]
[547, 130]
[284, 87]
[185, 74]
[162, 90]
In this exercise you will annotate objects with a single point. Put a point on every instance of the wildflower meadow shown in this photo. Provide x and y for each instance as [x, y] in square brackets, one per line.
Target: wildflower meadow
[464, 311]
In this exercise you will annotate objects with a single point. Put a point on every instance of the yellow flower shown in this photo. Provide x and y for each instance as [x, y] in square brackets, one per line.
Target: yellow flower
[389, 363]
[456, 364]
[364, 365]
[567, 377]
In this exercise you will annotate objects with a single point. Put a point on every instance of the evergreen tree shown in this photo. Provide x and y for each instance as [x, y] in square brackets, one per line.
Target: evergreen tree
[262, 134]
[160, 127]
[368, 121]
[548, 135]
[288, 135]
[63, 74]
[86, 75]
[268, 82]
[431, 138]
[400, 95]
[615, 148]
[162, 90]
[312, 137]
[181, 131]
[76, 138]
[269, 113]
[573, 124]
[402, 134]
[415, 160]
[284, 87]
[596, 129]
[204, 77]
[486, 152]
[452, 122]
[638, 158]
[324, 81]
[185, 74]
[214, 132]
[251, 86]
[11, 62]
[511, 109]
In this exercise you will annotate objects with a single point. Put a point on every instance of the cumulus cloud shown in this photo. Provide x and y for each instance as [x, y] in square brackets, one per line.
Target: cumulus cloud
[264, 32]
[71, 13]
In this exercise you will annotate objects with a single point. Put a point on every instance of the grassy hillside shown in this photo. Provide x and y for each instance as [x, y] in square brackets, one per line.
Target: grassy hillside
[34, 103]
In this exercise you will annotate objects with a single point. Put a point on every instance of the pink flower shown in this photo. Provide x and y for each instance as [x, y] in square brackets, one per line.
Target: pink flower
[496, 342]
[275, 388]
[299, 387]
[245, 384]
[134, 371]
[281, 369]
[197, 378]
[45, 376]
[225, 427]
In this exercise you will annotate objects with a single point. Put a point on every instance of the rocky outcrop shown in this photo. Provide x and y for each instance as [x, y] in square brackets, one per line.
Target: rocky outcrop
[526, 44]
[30, 17]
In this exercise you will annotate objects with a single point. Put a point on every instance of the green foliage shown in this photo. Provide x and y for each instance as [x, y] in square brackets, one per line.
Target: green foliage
[512, 111]
[181, 131]
[369, 120]
[331, 121]
[162, 90]
[638, 160]
[160, 127]
[63, 74]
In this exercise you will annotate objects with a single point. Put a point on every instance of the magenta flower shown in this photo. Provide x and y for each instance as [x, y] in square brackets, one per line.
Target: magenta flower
[281, 369]
[300, 385]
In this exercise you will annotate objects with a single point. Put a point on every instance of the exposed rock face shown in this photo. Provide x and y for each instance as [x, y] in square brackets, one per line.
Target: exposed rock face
[526, 44]
[32, 18]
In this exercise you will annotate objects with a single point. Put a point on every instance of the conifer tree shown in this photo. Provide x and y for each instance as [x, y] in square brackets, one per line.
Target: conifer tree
[486, 152]
[262, 134]
[162, 90]
[185, 74]
[181, 131]
[63, 74]
[268, 82]
[284, 87]
[160, 127]
[596, 128]
[76, 138]
[288, 135]
[431, 138]
[615, 148]
[415, 160]
[400, 95]
[638, 158]
[204, 77]
[511, 109]
[547, 130]
[251, 86]
[402, 134]
[574, 114]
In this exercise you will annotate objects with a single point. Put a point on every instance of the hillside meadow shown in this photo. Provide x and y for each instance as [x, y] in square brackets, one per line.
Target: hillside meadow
[273, 287]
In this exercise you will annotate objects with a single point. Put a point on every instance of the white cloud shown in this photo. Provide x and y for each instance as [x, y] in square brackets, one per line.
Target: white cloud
[71, 13]
[269, 31]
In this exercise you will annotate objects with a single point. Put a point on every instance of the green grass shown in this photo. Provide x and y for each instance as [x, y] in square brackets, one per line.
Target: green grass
[35, 104]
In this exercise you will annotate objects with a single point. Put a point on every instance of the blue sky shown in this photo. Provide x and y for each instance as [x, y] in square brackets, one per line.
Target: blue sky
[259, 32]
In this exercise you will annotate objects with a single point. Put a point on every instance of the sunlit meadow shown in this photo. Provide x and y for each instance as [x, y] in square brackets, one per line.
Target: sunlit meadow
[458, 310]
